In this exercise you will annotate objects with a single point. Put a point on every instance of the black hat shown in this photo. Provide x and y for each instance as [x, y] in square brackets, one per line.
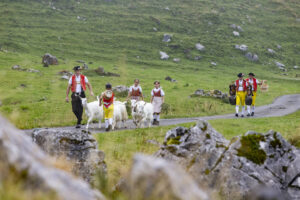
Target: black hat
[76, 68]
[240, 75]
[251, 74]
[108, 86]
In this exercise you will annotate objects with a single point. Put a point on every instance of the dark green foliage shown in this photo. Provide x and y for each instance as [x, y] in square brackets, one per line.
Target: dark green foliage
[250, 148]
[165, 108]
[276, 142]
[175, 140]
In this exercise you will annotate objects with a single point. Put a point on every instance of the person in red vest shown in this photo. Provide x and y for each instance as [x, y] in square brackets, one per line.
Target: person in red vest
[135, 91]
[108, 106]
[241, 88]
[253, 82]
[77, 84]
[157, 99]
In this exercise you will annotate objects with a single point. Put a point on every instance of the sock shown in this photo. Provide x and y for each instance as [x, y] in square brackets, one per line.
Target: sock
[237, 109]
[243, 110]
[253, 108]
[110, 121]
[106, 123]
[157, 117]
[249, 109]
[154, 116]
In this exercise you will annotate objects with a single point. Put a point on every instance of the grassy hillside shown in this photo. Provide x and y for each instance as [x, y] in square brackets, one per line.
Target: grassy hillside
[119, 36]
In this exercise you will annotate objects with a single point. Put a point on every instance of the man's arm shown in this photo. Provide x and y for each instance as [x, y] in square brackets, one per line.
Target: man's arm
[67, 93]
[129, 95]
[90, 88]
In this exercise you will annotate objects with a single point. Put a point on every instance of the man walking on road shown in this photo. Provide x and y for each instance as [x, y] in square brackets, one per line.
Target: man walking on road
[77, 84]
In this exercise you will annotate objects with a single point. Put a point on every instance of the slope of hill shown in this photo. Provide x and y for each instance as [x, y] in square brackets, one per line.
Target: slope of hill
[126, 36]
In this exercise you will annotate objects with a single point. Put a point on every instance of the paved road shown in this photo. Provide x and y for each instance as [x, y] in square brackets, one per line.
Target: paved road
[281, 106]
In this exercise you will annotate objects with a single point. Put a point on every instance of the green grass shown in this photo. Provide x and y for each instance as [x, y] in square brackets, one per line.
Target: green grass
[116, 32]
[120, 146]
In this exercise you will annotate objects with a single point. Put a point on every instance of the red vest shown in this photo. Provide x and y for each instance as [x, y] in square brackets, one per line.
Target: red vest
[108, 102]
[157, 94]
[237, 85]
[136, 93]
[254, 83]
[82, 83]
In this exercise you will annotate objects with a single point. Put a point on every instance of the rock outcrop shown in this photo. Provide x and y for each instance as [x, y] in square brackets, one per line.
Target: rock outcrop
[121, 91]
[78, 146]
[235, 168]
[163, 55]
[19, 153]
[48, 59]
[100, 71]
[155, 178]
[19, 68]
[211, 93]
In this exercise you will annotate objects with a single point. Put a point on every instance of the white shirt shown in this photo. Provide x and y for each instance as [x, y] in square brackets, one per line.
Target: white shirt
[78, 85]
[162, 93]
[241, 88]
[135, 88]
[251, 82]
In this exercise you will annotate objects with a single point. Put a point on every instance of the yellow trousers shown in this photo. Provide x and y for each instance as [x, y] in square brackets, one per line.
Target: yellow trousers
[240, 98]
[253, 98]
[108, 112]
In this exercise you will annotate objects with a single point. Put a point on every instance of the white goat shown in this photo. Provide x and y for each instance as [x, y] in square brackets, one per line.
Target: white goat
[120, 114]
[92, 111]
[142, 112]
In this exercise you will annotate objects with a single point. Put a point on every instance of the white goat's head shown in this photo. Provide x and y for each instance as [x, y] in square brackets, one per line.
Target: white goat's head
[140, 107]
[83, 101]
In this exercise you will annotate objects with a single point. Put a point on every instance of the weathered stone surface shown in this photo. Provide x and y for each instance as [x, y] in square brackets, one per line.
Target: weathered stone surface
[279, 65]
[235, 168]
[176, 60]
[200, 47]
[48, 59]
[120, 90]
[235, 33]
[18, 152]
[252, 57]
[210, 93]
[241, 47]
[164, 55]
[155, 178]
[167, 38]
[100, 71]
[65, 73]
[168, 78]
[213, 63]
[198, 58]
[271, 51]
[19, 68]
[77, 146]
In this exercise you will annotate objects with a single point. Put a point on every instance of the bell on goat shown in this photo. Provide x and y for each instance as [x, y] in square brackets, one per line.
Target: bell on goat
[232, 100]
[248, 100]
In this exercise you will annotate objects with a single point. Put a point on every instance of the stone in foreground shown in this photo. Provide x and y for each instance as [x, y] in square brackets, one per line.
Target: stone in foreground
[78, 146]
[155, 178]
[238, 167]
[19, 153]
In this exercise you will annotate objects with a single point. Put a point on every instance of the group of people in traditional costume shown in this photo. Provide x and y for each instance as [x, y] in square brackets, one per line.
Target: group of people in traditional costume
[242, 91]
[78, 82]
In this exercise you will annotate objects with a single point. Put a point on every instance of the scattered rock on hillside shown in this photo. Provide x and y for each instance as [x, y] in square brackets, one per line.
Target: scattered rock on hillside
[235, 33]
[48, 59]
[100, 71]
[278, 46]
[271, 51]
[164, 55]
[239, 28]
[80, 61]
[85, 66]
[157, 21]
[120, 90]
[77, 146]
[19, 153]
[19, 68]
[296, 67]
[241, 47]
[279, 65]
[252, 57]
[65, 73]
[155, 178]
[238, 167]
[210, 93]
[65, 77]
[167, 38]
[198, 58]
[233, 26]
[200, 47]
[154, 29]
[213, 63]
[168, 78]
[176, 60]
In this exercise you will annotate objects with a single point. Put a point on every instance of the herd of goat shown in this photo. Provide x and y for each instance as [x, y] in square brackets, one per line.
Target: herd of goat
[141, 112]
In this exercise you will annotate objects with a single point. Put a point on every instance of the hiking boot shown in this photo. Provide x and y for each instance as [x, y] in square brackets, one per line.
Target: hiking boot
[252, 114]
[242, 115]
[237, 115]
[248, 115]
[77, 126]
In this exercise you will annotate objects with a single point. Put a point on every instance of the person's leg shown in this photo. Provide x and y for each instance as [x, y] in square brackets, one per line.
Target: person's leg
[238, 101]
[75, 108]
[110, 116]
[243, 98]
[154, 118]
[253, 103]
[157, 118]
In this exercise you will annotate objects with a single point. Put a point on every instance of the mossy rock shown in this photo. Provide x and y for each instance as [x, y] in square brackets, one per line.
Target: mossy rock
[250, 148]
[175, 140]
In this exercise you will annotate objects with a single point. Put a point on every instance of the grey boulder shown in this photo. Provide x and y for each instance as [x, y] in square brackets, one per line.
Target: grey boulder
[164, 55]
[252, 57]
[167, 38]
[236, 168]
[48, 59]
[200, 47]
[78, 146]
[241, 47]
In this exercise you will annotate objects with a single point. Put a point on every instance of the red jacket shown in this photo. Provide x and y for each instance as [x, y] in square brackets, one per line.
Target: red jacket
[108, 102]
[237, 85]
[82, 83]
[254, 83]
